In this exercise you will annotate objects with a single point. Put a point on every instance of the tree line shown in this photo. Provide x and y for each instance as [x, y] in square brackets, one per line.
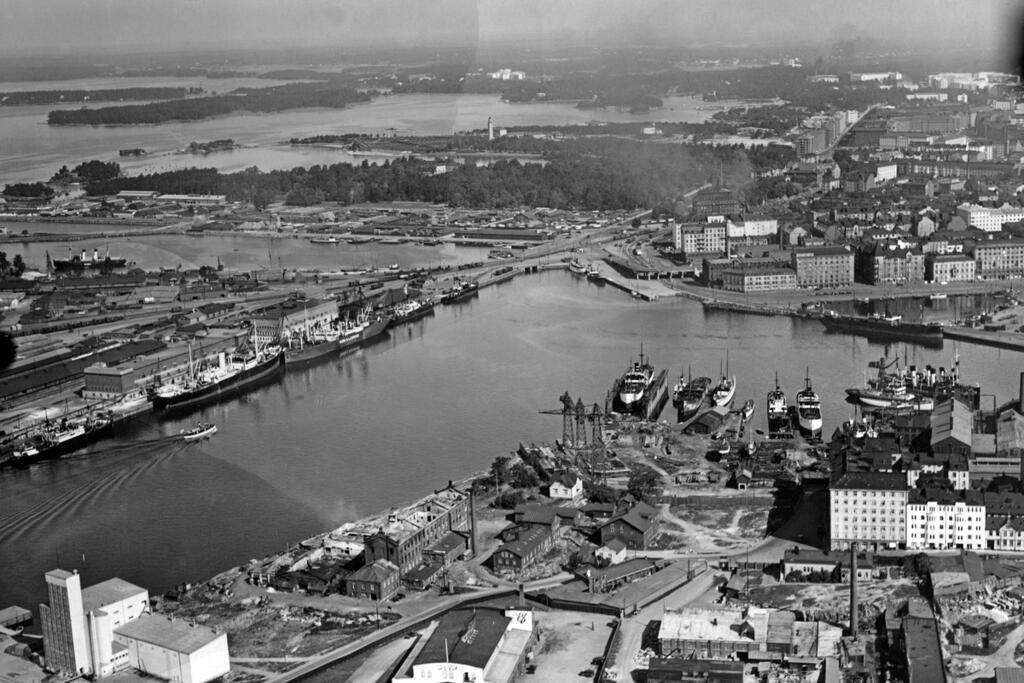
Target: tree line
[277, 98]
[19, 98]
[591, 174]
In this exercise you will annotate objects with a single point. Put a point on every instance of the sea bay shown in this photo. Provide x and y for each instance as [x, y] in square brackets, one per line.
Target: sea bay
[433, 401]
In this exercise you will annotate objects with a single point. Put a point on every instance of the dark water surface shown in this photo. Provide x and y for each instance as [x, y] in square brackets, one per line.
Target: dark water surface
[433, 401]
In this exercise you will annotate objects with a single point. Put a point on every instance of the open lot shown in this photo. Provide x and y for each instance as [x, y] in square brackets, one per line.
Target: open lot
[705, 524]
[831, 601]
[569, 641]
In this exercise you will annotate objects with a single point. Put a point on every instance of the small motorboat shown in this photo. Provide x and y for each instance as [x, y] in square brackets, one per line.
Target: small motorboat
[200, 431]
[747, 410]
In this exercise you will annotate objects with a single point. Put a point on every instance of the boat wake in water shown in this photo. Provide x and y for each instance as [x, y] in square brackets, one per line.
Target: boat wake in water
[104, 476]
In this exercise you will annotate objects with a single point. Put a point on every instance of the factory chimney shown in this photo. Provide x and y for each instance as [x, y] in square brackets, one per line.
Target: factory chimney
[490, 129]
[853, 590]
[1020, 395]
[472, 522]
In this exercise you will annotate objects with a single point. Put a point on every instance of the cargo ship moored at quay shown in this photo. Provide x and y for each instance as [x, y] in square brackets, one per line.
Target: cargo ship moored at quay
[460, 292]
[885, 327]
[56, 439]
[227, 379]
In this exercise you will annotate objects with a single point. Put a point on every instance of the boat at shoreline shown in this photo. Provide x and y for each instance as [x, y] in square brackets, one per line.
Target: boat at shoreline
[883, 327]
[778, 410]
[84, 262]
[724, 391]
[690, 397]
[201, 431]
[411, 310]
[747, 411]
[373, 328]
[226, 378]
[576, 267]
[54, 439]
[909, 388]
[326, 240]
[460, 292]
[633, 385]
[808, 410]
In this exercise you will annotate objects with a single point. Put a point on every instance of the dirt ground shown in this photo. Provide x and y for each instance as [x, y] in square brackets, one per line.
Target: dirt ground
[730, 522]
[569, 641]
[825, 599]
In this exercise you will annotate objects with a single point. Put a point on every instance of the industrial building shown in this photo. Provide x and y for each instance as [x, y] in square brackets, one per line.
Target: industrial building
[409, 532]
[723, 633]
[106, 628]
[482, 644]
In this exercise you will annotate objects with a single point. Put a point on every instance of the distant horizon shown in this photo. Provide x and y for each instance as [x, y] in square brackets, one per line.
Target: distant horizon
[115, 28]
[205, 55]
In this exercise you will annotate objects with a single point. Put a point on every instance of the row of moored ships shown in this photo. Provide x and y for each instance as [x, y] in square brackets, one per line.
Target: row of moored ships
[228, 374]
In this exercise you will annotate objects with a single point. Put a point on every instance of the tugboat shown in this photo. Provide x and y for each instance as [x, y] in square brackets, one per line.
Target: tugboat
[690, 397]
[634, 383]
[778, 410]
[594, 274]
[202, 430]
[808, 410]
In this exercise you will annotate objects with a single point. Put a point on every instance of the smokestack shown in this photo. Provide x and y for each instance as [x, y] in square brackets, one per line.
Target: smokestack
[853, 589]
[1020, 395]
[472, 522]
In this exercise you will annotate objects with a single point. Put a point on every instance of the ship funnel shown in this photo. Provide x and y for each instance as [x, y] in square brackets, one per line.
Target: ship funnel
[95, 254]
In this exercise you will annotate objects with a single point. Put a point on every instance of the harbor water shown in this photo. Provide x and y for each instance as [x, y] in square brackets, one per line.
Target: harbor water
[434, 400]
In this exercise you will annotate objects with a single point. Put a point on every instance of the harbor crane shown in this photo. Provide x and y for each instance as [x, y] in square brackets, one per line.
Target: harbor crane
[575, 417]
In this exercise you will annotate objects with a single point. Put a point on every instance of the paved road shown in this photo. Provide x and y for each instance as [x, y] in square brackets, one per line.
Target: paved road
[632, 629]
[396, 628]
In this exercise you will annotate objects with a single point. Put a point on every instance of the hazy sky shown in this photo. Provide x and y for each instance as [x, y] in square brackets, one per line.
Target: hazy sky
[67, 25]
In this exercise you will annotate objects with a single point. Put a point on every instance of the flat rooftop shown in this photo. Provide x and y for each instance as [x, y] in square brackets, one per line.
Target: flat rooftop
[172, 634]
[110, 591]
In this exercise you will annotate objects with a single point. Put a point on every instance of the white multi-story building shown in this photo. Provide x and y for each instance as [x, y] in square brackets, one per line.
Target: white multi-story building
[106, 628]
[700, 238]
[752, 225]
[867, 503]
[943, 520]
[988, 218]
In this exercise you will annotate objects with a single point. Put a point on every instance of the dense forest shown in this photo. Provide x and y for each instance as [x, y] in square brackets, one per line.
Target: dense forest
[278, 98]
[13, 99]
[28, 191]
[604, 173]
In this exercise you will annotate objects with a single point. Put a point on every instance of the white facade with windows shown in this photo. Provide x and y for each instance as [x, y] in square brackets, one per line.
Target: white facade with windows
[876, 517]
[933, 525]
[988, 218]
